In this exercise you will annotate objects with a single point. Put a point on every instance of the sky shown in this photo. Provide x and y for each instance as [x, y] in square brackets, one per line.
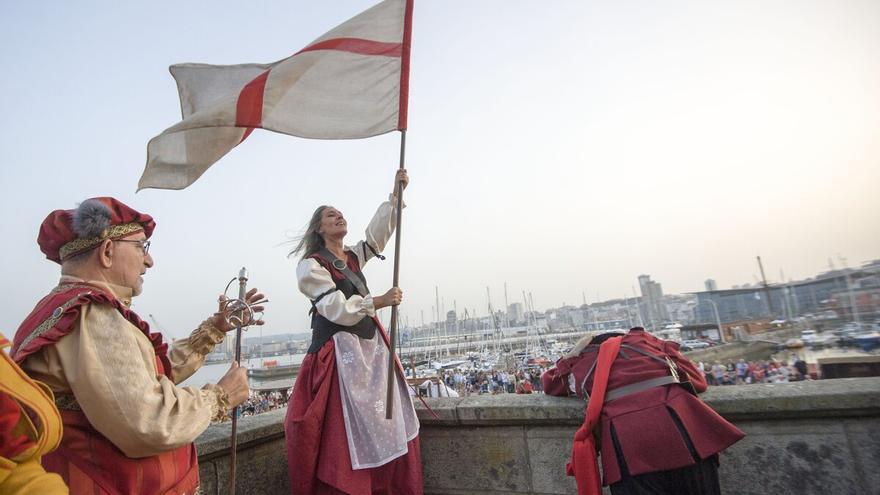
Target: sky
[561, 147]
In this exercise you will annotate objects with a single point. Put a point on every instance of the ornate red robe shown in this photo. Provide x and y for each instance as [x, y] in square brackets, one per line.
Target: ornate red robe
[86, 460]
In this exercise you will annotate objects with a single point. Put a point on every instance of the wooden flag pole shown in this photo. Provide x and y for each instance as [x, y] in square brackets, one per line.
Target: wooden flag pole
[392, 354]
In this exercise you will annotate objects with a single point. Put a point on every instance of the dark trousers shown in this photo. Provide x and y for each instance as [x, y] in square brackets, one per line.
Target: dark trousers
[700, 478]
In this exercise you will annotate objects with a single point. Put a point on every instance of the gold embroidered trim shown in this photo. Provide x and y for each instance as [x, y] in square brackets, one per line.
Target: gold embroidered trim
[66, 287]
[113, 232]
[51, 321]
[66, 402]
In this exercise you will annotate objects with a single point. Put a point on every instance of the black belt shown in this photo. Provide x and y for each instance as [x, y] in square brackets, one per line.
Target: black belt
[324, 331]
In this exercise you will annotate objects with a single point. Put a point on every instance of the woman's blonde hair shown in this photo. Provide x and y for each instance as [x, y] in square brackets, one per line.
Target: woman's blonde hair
[311, 241]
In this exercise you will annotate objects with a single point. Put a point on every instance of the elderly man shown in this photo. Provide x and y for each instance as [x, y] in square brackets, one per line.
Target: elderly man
[128, 427]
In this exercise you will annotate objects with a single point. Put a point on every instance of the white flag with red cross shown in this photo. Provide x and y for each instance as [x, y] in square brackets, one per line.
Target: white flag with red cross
[350, 83]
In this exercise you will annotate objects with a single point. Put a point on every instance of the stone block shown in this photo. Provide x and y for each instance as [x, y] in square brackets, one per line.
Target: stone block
[804, 457]
[549, 451]
[492, 459]
[864, 439]
[260, 469]
[503, 409]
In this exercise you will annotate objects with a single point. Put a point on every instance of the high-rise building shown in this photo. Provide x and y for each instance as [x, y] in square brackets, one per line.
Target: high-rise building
[515, 312]
[710, 284]
[653, 310]
[450, 321]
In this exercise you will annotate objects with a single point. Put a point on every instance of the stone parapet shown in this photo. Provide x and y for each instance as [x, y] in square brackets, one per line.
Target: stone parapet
[815, 437]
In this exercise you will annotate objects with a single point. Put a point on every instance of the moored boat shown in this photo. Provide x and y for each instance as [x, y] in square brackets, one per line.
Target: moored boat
[868, 341]
[271, 369]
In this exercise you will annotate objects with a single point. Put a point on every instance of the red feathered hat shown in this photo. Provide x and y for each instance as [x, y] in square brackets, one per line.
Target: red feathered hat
[66, 233]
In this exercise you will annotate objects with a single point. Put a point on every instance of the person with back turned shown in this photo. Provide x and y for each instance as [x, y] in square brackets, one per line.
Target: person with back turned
[655, 435]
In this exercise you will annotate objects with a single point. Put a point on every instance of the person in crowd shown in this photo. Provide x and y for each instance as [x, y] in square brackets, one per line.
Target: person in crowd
[128, 427]
[801, 367]
[741, 369]
[718, 372]
[24, 441]
[702, 367]
[656, 435]
[338, 440]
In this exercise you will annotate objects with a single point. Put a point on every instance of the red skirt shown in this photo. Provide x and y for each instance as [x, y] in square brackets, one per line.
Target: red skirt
[317, 445]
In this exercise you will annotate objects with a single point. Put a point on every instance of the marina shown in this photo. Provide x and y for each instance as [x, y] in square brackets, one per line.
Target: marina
[842, 351]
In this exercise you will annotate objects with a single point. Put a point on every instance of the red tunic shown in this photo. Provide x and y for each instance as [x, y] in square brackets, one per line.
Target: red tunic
[86, 460]
[643, 422]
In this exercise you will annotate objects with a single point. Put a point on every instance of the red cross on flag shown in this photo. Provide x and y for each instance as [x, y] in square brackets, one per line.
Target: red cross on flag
[350, 83]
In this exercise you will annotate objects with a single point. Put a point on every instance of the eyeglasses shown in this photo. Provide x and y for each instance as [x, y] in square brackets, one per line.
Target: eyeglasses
[145, 245]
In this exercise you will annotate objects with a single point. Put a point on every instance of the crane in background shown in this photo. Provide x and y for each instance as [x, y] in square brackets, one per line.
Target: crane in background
[159, 326]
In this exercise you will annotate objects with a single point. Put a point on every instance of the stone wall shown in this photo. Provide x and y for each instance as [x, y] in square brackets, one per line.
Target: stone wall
[820, 437]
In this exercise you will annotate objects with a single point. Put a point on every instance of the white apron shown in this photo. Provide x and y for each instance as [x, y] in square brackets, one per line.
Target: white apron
[362, 366]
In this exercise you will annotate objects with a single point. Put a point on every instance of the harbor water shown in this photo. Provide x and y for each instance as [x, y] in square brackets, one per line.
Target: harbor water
[212, 372]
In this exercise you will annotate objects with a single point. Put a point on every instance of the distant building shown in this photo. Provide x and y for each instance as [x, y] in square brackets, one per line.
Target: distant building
[515, 312]
[450, 321]
[828, 291]
[653, 310]
[710, 284]
[680, 307]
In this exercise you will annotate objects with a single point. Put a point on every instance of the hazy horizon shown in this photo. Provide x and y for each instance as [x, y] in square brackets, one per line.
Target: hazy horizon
[562, 147]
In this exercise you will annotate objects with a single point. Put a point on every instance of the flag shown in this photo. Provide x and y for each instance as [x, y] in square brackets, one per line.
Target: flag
[350, 83]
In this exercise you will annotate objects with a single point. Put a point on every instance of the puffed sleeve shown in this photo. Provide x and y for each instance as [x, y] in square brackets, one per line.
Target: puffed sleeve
[378, 231]
[556, 379]
[188, 355]
[317, 284]
[110, 367]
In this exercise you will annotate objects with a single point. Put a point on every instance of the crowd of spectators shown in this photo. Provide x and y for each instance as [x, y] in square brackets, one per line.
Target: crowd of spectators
[259, 402]
[477, 382]
[748, 372]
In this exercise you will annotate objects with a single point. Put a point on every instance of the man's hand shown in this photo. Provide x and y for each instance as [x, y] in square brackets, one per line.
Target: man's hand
[401, 177]
[393, 297]
[220, 319]
[235, 384]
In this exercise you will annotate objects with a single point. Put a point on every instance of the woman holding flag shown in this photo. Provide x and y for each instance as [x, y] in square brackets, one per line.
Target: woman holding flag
[338, 440]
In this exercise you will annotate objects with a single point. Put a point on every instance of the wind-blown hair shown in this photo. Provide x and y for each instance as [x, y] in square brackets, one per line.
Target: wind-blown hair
[311, 241]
